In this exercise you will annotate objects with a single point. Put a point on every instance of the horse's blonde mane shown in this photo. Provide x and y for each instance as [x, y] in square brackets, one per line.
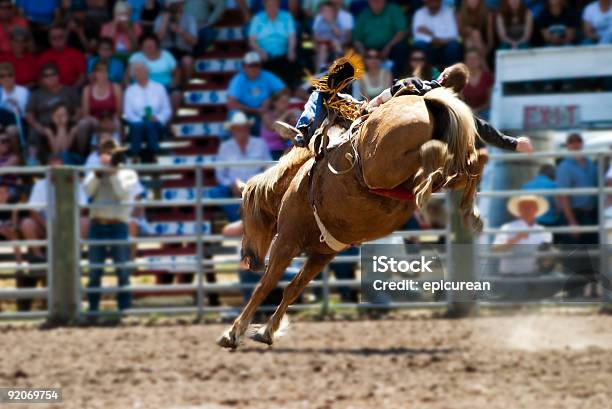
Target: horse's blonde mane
[262, 189]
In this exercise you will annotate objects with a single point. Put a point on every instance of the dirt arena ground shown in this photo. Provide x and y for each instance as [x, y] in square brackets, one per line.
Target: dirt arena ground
[524, 361]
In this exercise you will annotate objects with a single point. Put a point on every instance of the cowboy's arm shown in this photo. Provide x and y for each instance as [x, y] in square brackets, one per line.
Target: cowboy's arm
[492, 136]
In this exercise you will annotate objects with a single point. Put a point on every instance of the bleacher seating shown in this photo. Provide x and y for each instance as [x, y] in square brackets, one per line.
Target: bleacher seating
[200, 124]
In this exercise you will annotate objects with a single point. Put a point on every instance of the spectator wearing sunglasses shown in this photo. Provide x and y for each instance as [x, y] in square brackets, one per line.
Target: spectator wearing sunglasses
[420, 67]
[13, 97]
[41, 103]
[376, 78]
[22, 59]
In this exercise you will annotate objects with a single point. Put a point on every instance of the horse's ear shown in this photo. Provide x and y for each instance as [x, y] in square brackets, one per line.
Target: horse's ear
[240, 185]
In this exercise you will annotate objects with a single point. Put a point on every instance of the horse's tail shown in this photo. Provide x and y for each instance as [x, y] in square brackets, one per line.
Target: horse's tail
[453, 124]
[434, 156]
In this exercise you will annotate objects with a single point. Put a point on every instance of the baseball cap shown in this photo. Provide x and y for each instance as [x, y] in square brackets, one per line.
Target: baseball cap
[251, 58]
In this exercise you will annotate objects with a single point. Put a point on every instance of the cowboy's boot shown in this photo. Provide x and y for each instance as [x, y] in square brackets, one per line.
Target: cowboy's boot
[291, 133]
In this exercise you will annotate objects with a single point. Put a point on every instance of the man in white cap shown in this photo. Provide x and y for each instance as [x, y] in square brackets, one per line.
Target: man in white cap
[523, 245]
[239, 148]
[251, 89]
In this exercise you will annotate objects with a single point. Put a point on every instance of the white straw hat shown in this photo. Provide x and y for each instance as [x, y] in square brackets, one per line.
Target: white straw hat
[513, 204]
[238, 118]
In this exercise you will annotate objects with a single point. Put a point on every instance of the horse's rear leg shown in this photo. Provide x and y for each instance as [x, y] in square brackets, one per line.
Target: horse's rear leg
[281, 254]
[314, 264]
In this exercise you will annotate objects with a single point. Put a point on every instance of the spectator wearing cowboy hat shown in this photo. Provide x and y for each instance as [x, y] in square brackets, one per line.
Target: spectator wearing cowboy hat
[112, 186]
[239, 148]
[524, 245]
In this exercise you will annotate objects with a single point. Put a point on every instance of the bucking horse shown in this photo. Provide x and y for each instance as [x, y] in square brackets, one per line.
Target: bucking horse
[391, 162]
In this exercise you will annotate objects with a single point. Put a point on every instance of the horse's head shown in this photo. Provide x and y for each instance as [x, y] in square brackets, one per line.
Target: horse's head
[259, 227]
[255, 243]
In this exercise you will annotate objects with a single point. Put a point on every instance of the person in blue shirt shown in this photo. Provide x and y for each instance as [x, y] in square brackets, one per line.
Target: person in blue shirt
[573, 172]
[251, 89]
[578, 210]
[545, 179]
[272, 34]
[116, 69]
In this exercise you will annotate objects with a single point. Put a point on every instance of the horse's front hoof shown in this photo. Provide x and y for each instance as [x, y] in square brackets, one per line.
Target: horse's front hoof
[227, 340]
[262, 336]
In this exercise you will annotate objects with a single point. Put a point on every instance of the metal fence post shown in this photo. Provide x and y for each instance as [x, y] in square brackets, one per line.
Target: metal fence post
[604, 274]
[461, 260]
[325, 306]
[64, 306]
[199, 243]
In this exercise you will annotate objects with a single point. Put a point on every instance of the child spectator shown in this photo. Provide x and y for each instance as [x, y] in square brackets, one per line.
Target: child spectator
[556, 24]
[69, 61]
[178, 33]
[280, 111]
[8, 21]
[475, 23]
[477, 93]
[61, 134]
[382, 26]
[435, 31]
[514, 25]
[122, 30]
[376, 78]
[12, 96]
[147, 111]
[597, 22]
[116, 68]
[21, 58]
[329, 36]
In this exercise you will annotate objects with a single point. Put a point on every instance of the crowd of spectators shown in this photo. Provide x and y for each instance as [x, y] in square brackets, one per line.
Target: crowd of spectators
[77, 73]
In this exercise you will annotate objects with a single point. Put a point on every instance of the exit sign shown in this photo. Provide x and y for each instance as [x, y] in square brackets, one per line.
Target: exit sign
[551, 116]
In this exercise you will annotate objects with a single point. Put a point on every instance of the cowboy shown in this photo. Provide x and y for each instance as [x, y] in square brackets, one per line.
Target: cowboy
[110, 186]
[327, 95]
[240, 147]
[522, 248]
[454, 77]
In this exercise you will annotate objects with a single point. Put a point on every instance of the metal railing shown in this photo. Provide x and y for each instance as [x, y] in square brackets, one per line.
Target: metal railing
[201, 244]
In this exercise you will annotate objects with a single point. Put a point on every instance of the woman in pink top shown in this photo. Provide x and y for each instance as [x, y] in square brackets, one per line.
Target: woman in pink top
[124, 33]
